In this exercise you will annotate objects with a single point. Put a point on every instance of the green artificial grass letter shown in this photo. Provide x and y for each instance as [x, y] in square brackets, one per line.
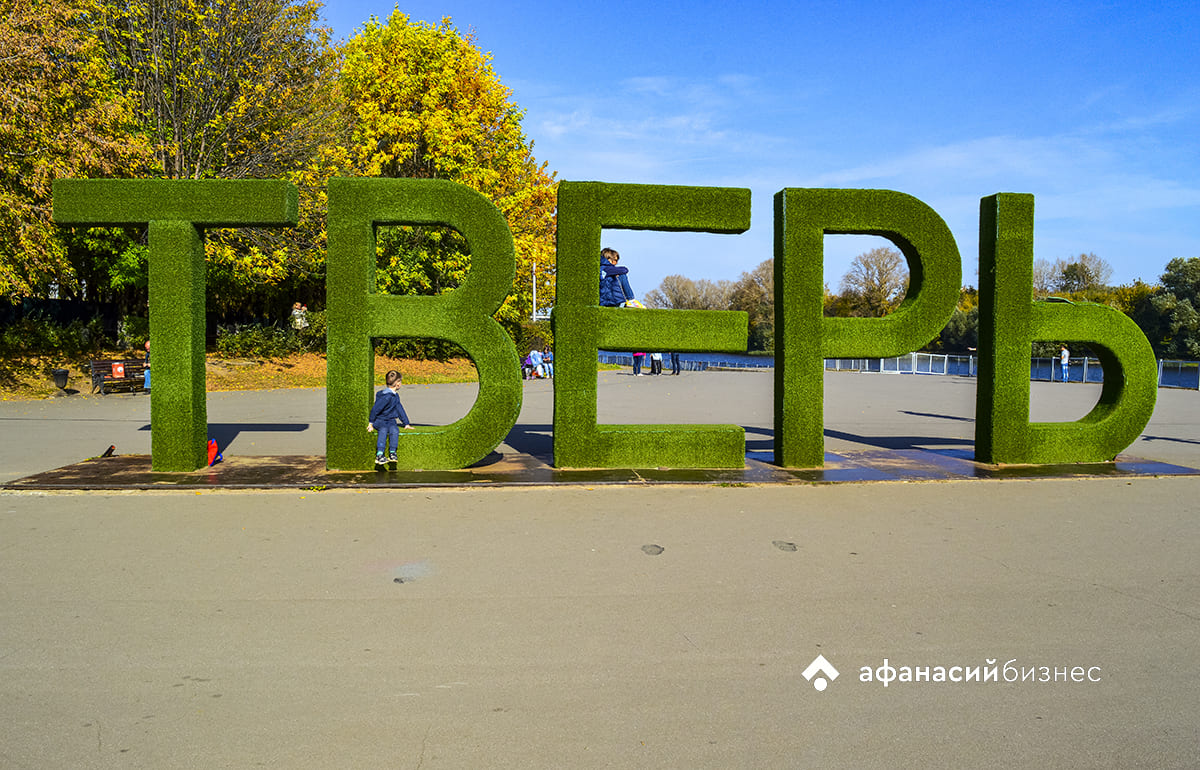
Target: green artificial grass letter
[356, 313]
[804, 337]
[1009, 323]
[582, 327]
[177, 211]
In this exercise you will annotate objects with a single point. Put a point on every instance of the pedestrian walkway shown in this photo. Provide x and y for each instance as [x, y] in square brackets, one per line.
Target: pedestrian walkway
[617, 623]
[877, 429]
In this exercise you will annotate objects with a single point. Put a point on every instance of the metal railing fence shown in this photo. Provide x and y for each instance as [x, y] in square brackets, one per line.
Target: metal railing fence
[1171, 374]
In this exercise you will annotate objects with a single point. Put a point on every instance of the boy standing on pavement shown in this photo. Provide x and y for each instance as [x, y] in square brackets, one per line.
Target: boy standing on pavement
[384, 413]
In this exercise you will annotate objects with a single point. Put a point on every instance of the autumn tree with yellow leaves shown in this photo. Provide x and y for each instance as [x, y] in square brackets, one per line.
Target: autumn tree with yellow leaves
[195, 89]
[238, 89]
[424, 102]
[62, 114]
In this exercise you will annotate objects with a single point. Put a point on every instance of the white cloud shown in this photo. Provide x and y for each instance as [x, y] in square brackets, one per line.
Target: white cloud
[659, 114]
[1096, 188]
[972, 161]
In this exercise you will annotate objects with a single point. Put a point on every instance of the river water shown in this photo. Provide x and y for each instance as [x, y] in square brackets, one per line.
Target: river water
[1172, 374]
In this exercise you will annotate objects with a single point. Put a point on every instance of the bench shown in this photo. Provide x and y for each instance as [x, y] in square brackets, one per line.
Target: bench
[111, 376]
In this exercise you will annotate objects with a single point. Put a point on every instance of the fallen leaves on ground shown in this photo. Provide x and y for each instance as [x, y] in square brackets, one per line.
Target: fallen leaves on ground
[307, 370]
[30, 378]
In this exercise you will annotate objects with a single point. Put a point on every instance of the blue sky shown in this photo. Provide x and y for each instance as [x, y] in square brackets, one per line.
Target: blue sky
[1090, 106]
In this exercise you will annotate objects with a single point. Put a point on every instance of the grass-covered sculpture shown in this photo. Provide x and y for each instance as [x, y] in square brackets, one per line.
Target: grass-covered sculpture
[582, 327]
[356, 313]
[1009, 322]
[804, 337]
[177, 212]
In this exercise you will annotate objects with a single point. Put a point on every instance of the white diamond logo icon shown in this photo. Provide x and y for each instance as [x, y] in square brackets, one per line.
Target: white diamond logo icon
[820, 666]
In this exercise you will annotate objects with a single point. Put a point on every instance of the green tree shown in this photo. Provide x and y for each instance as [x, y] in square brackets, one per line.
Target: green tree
[875, 283]
[754, 293]
[1136, 301]
[63, 115]
[1086, 274]
[961, 333]
[1131, 298]
[234, 89]
[424, 102]
[1174, 327]
[677, 292]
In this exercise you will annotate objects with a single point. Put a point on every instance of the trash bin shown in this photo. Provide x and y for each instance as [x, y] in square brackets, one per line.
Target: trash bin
[60, 378]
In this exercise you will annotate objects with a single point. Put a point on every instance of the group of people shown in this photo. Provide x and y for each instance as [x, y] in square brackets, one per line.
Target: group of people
[656, 363]
[299, 316]
[539, 364]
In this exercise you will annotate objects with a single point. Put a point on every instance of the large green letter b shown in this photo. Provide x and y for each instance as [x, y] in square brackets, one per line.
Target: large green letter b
[464, 316]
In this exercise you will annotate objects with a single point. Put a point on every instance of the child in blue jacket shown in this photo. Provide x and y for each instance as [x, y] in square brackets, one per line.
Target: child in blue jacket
[384, 413]
[615, 290]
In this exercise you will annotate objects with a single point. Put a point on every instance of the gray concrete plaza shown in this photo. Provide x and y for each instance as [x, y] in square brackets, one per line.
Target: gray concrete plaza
[601, 626]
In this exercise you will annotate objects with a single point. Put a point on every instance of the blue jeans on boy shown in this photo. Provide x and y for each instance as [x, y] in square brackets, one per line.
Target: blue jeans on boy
[389, 431]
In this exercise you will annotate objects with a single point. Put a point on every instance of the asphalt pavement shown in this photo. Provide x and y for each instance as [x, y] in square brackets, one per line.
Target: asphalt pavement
[1028, 622]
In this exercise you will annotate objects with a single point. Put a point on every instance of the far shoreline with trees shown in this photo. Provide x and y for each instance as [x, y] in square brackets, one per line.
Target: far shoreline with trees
[875, 283]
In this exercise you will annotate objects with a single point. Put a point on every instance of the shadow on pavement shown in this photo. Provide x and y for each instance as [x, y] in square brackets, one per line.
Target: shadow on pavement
[526, 461]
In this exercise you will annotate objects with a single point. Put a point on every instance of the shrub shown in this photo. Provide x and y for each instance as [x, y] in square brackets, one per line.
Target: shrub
[256, 341]
[132, 331]
[420, 348]
[36, 334]
[311, 339]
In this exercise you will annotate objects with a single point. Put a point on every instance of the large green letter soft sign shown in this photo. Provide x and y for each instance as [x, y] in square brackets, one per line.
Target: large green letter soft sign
[804, 338]
[356, 313]
[177, 212]
[581, 326]
[1009, 322]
